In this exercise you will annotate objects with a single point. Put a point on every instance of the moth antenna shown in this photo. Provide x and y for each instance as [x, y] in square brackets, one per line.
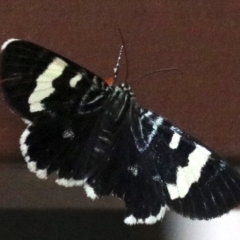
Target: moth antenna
[116, 68]
[157, 71]
[123, 48]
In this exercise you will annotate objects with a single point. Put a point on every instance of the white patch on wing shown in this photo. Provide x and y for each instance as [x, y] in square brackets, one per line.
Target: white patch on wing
[23, 145]
[23, 138]
[44, 82]
[175, 141]
[90, 191]
[189, 174]
[73, 81]
[140, 221]
[162, 213]
[69, 182]
[26, 121]
[68, 134]
[130, 220]
[197, 159]
[150, 220]
[146, 114]
[32, 166]
[133, 170]
[78, 183]
[173, 191]
[157, 178]
[182, 182]
[39, 95]
[8, 42]
[42, 173]
[37, 106]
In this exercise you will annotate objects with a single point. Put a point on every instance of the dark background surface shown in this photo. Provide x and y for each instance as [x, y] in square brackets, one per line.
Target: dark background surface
[201, 38]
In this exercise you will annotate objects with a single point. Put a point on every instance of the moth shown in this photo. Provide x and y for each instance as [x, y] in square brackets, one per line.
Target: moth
[96, 135]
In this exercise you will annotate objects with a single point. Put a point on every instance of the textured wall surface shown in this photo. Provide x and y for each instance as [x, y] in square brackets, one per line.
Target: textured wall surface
[200, 38]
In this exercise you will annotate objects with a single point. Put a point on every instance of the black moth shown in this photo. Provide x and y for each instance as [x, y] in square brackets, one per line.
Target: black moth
[97, 136]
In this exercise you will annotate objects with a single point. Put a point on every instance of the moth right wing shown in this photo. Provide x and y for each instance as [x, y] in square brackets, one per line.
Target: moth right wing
[197, 183]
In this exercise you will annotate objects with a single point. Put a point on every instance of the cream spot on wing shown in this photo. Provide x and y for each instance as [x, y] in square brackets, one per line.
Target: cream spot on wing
[130, 220]
[68, 134]
[151, 220]
[133, 170]
[42, 173]
[173, 191]
[23, 138]
[90, 191]
[73, 81]
[69, 182]
[32, 166]
[44, 82]
[161, 213]
[175, 141]
[189, 174]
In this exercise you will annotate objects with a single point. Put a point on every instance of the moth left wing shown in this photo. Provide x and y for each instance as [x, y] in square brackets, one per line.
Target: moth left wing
[197, 182]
